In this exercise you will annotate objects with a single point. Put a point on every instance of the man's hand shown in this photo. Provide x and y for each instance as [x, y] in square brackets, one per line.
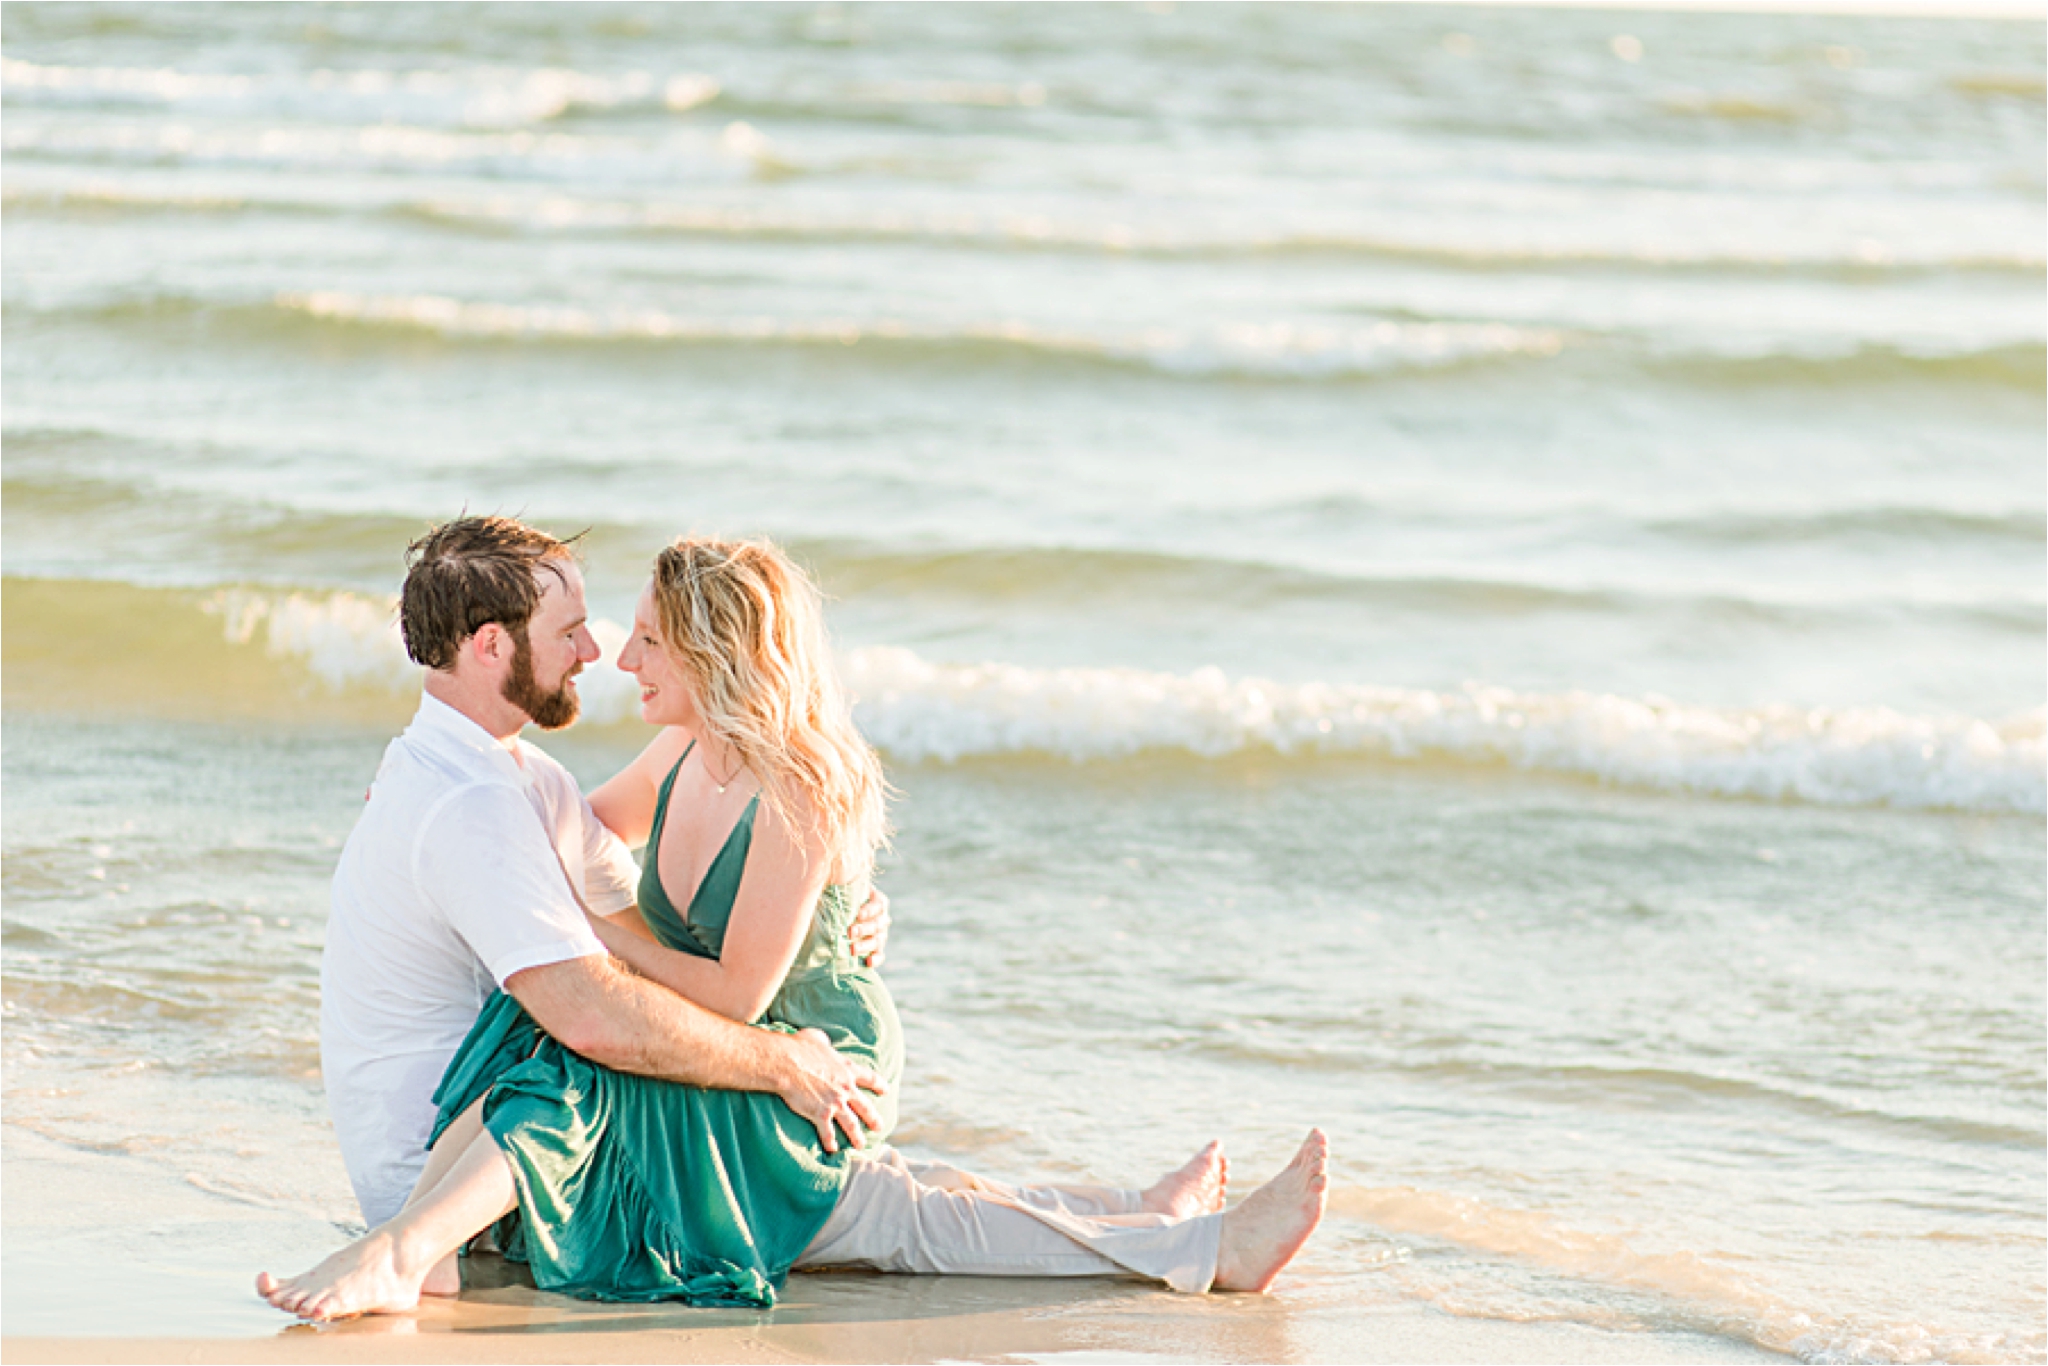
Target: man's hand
[825, 1087]
[869, 933]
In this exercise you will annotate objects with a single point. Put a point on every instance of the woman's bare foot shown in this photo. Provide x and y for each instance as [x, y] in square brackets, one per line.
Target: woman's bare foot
[1197, 1188]
[444, 1279]
[1262, 1234]
[369, 1276]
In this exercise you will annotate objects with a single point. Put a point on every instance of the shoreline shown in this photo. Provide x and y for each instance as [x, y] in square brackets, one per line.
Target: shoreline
[998, 1337]
[183, 1259]
[904, 1320]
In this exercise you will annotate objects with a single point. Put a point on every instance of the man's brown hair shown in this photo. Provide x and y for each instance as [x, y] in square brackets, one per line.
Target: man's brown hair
[465, 574]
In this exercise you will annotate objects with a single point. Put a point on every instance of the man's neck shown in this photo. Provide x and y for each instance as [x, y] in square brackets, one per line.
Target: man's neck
[486, 707]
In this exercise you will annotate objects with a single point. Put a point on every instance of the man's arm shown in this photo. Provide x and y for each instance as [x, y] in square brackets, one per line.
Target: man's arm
[481, 851]
[619, 1021]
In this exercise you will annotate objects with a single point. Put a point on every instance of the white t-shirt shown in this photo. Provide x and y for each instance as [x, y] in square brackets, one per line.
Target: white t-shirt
[458, 875]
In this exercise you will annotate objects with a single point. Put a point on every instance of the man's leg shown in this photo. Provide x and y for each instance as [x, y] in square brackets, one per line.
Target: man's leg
[1196, 1187]
[886, 1220]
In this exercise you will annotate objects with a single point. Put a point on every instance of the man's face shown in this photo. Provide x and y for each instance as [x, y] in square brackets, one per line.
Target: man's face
[552, 650]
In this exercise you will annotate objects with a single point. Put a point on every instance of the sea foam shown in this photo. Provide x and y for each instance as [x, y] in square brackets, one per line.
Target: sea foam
[1701, 1292]
[1854, 756]
[916, 710]
[1269, 350]
[1272, 350]
[476, 97]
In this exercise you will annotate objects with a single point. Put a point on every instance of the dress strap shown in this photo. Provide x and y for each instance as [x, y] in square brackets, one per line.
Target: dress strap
[668, 785]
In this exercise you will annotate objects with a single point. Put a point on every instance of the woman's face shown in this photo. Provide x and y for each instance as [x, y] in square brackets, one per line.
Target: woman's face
[666, 695]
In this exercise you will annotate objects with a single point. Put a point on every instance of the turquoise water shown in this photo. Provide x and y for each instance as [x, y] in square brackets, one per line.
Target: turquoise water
[1470, 576]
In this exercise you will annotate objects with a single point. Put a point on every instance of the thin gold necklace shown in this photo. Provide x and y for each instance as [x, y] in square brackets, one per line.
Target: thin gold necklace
[705, 759]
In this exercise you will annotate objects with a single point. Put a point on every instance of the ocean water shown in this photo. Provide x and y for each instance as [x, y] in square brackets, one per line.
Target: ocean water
[1475, 577]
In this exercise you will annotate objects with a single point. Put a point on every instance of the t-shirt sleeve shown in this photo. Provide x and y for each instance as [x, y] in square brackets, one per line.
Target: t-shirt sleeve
[484, 860]
[611, 880]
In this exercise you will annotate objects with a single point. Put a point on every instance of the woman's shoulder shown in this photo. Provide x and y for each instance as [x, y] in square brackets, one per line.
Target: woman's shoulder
[626, 802]
[663, 753]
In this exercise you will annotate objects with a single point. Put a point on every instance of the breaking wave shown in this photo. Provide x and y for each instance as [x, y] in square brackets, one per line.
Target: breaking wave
[1267, 350]
[917, 710]
[1857, 756]
[478, 97]
[987, 231]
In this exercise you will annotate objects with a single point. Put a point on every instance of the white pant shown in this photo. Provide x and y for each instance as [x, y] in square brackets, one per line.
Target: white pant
[927, 1218]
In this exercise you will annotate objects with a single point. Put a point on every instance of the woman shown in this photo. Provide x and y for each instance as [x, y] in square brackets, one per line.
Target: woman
[761, 809]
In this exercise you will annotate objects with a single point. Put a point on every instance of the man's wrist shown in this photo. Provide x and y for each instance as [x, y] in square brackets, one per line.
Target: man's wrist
[771, 1068]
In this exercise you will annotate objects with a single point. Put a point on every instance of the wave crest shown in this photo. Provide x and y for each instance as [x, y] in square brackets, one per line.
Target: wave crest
[1269, 350]
[482, 97]
[1274, 351]
[918, 711]
[573, 214]
[1856, 756]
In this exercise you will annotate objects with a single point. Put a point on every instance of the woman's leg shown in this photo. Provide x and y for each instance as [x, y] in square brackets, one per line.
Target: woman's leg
[381, 1272]
[448, 1149]
[463, 1130]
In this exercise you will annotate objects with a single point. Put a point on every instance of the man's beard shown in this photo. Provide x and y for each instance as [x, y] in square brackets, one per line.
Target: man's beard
[548, 710]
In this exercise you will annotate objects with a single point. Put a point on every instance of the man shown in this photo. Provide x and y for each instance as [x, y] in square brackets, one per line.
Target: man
[471, 867]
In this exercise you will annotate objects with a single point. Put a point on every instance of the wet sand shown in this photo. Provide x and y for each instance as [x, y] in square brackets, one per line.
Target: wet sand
[114, 1258]
[896, 1319]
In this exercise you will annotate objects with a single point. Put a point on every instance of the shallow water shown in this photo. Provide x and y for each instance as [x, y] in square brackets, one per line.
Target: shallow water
[1434, 572]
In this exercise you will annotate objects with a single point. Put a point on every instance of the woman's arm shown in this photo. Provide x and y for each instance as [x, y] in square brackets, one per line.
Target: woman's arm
[629, 921]
[778, 892]
[626, 802]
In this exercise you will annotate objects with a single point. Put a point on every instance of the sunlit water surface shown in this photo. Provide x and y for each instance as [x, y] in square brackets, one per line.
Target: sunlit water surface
[1471, 577]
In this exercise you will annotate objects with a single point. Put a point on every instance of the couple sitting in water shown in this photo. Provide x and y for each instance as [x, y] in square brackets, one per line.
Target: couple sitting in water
[657, 1086]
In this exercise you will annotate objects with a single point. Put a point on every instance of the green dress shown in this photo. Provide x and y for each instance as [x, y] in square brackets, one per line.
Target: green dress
[632, 1188]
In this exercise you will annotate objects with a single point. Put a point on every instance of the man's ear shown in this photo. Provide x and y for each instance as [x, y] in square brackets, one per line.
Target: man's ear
[491, 644]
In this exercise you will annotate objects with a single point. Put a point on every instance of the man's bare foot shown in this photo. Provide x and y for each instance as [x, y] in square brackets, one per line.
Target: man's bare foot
[1262, 1234]
[367, 1277]
[1196, 1188]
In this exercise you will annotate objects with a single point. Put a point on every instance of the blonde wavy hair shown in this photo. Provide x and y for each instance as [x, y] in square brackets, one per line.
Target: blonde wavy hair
[749, 627]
